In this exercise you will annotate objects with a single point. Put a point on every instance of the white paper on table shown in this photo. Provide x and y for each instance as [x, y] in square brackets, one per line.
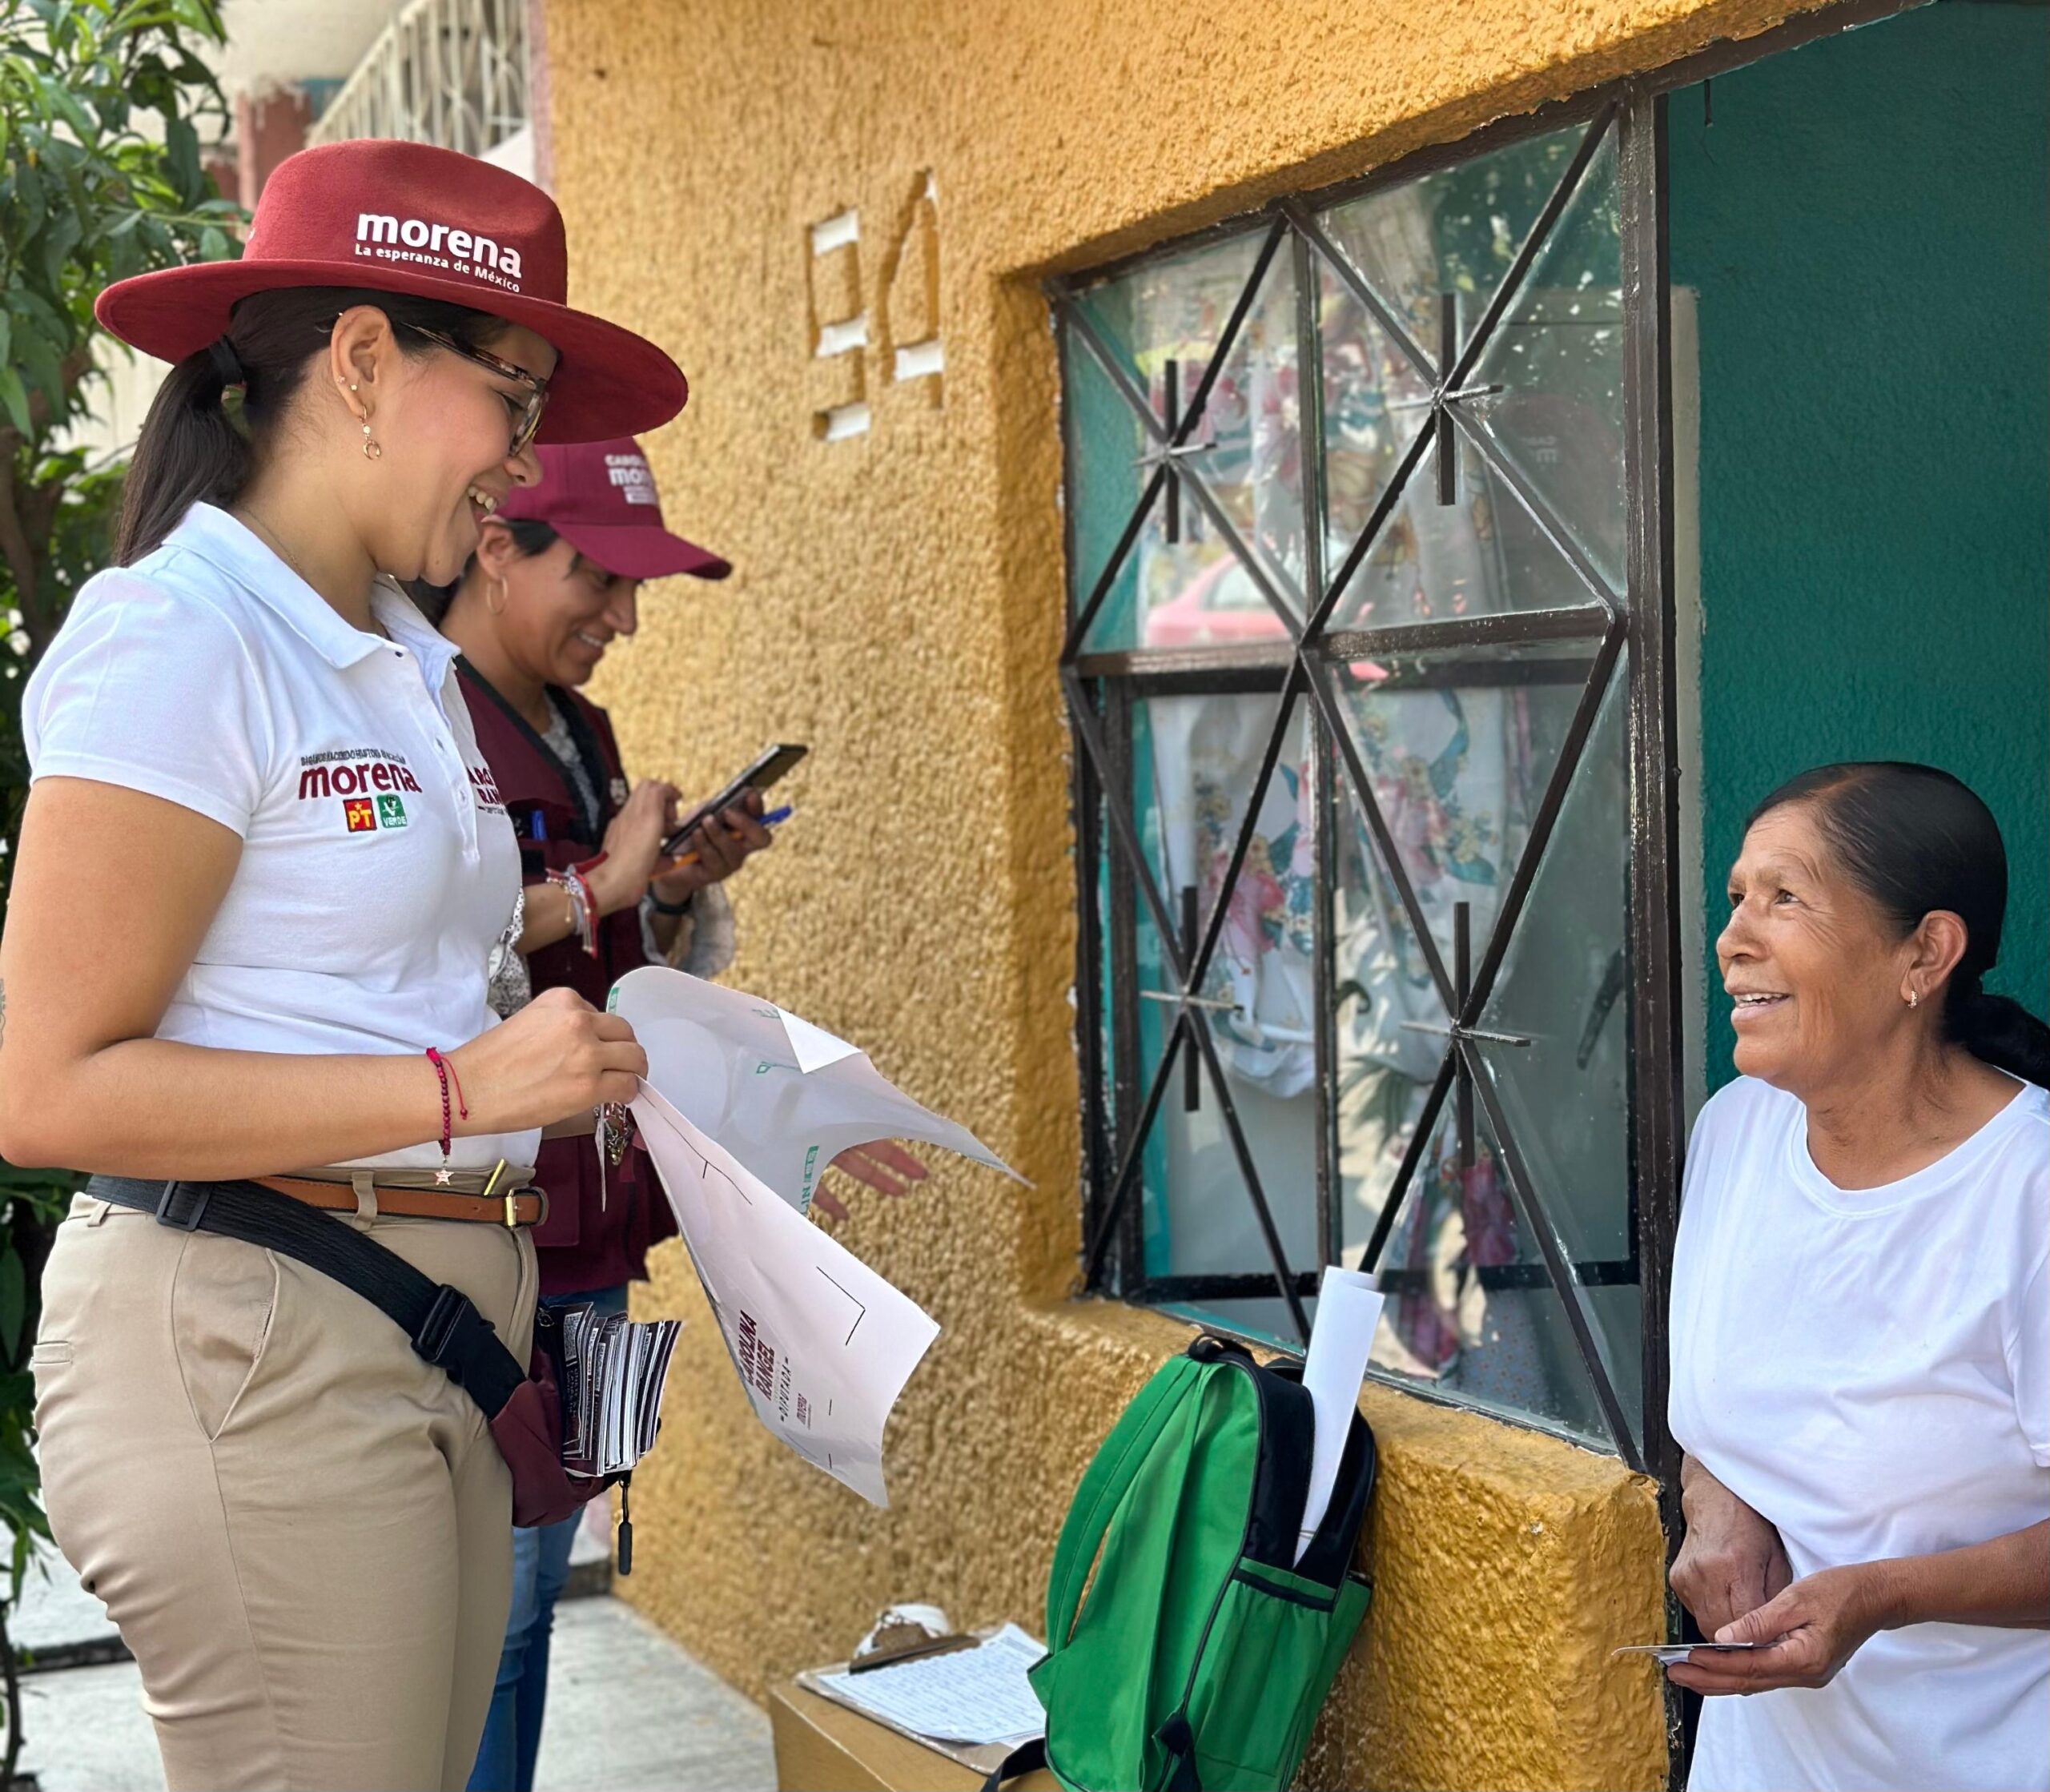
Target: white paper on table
[975, 1696]
[1347, 1309]
[822, 1344]
[783, 1096]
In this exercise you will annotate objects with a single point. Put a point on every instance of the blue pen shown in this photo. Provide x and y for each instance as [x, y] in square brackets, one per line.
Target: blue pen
[769, 821]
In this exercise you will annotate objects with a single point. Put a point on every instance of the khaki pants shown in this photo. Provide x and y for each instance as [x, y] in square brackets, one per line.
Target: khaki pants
[302, 1530]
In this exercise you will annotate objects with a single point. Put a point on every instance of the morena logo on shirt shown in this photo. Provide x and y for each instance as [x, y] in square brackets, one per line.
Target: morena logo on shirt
[337, 774]
[484, 786]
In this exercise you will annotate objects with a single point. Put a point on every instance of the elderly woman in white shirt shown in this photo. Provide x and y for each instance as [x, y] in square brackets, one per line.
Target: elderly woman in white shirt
[1860, 1319]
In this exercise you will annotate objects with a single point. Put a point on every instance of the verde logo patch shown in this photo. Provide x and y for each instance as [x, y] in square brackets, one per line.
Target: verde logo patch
[391, 812]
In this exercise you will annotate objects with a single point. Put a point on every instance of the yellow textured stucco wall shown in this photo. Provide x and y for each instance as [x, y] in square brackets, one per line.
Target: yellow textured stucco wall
[896, 603]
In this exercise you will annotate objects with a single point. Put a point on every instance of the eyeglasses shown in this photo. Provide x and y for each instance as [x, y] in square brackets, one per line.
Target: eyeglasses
[529, 418]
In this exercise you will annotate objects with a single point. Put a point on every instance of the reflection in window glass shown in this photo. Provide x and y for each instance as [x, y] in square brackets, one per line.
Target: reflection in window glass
[1556, 360]
[1164, 323]
[1457, 232]
[1195, 765]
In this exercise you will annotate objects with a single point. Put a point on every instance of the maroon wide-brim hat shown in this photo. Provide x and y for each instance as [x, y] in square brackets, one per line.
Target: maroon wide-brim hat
[601, 498]
[398, 217]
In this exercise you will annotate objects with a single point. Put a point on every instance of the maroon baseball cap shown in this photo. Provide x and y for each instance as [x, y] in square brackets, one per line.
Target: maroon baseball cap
[600, 497]
[398, 217]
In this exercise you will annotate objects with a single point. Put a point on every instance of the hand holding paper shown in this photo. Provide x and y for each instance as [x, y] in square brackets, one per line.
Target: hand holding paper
[882, 1165]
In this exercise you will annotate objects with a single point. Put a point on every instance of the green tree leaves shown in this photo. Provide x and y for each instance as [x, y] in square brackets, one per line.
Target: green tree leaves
[101, 177]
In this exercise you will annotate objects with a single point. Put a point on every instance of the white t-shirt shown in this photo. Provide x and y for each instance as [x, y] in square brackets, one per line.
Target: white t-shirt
[1870, 1370]
[378, 865]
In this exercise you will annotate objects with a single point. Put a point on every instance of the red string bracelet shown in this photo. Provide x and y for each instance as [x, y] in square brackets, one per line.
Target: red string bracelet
[441, 1070]
[462, 1106]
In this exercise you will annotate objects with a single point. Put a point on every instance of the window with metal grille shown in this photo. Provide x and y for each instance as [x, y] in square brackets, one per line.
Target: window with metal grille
[1359, 524]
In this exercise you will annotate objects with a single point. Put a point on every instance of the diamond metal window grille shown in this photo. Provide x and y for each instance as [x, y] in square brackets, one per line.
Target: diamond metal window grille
[1453, 364]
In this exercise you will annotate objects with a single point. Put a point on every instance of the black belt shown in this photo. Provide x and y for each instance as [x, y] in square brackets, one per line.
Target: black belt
[441, 1323]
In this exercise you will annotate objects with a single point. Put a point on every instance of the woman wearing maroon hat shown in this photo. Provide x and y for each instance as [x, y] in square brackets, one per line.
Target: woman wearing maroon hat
[553, 583]
[263, 868]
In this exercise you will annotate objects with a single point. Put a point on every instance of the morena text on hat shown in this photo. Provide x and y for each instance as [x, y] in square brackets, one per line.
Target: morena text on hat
[387, 238]
[629, 473]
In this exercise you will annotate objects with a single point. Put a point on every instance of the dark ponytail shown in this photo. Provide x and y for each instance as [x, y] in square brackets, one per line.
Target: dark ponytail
[1916, 840]
[219, 410]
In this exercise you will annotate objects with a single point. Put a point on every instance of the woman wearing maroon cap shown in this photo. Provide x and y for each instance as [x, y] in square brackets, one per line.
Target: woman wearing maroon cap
[263, 868]
[553, 583]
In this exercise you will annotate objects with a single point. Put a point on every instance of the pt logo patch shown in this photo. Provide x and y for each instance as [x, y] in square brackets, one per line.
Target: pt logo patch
[391, 812]
[360, 813]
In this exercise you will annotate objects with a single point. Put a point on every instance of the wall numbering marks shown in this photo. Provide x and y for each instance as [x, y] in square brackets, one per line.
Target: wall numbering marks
[911, 294]
[837, 325]
[903, 302]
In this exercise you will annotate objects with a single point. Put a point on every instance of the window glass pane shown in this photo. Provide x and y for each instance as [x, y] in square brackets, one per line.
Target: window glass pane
[1557, 356]
[1251, 422]
[1375, 401]
[1194, 761]
[1104, 441]
[1481, 554]
[1162, 323]
[1564, 986]
[1465, 1316]
[1458, 749]
[1455, 231]
[1190, 793]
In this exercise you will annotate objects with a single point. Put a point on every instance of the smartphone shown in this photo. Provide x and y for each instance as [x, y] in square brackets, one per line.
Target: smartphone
[771, 764]
[1668, 1653]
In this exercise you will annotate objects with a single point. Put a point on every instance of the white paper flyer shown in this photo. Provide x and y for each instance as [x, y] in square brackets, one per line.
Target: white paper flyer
[742, 1108]
[822, 1344]
[782, 1096]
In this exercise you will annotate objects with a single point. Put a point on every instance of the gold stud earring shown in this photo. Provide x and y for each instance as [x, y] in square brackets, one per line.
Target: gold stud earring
[372, 449]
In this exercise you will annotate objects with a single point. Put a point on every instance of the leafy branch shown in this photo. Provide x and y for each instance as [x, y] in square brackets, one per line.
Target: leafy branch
[101, 177]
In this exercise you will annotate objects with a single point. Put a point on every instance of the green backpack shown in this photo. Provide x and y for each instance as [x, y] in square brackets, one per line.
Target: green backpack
[1203, 1652]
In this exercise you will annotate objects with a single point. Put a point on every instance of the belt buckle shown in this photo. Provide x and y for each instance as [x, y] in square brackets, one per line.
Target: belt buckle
[511, 1218]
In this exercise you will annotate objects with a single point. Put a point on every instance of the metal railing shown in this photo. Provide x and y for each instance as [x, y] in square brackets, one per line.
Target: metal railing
[450, 72]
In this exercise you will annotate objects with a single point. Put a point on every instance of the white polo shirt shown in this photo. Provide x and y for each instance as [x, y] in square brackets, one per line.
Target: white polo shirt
[378, 865]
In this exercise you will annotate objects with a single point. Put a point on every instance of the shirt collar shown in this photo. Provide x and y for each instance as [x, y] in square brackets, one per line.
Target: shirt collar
[404, 623]
[230, 546]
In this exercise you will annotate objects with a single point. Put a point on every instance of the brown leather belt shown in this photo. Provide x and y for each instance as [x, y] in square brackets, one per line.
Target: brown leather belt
[524, 1207]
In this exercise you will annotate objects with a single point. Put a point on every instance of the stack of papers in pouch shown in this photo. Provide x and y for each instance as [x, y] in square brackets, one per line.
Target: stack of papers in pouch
[612, 1370]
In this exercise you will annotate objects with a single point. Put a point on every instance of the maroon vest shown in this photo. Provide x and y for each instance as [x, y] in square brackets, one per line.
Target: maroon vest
[587, 1242]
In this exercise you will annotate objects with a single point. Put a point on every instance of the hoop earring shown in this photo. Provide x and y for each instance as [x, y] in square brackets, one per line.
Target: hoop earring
[497, 609]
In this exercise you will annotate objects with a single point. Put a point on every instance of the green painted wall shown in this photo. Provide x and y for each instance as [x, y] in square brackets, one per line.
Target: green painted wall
[1865, 224]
